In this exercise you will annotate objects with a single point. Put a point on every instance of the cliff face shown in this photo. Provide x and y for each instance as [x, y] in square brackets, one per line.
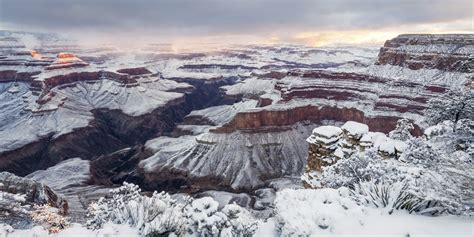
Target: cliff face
[278, 119]
[317, 96]
[443, 52]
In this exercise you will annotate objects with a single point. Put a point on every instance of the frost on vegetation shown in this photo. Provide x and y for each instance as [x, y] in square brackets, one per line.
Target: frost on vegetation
[402, 131]
[455, 105]
[49, 218]
[13, 207]
[428, 178]
[162, 215]
[12, 204]
[432, 176]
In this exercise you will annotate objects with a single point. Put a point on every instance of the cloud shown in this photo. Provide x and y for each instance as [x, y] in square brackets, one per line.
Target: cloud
[283, 18]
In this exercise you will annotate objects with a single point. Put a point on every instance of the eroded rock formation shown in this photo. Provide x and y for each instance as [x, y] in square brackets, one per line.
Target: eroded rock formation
[443, 52]
[328, 144]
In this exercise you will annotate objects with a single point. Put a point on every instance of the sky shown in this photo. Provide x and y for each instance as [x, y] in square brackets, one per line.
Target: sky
[311, 22]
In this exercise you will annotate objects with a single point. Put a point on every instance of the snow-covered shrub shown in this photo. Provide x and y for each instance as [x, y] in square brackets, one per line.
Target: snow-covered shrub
[14, 210]
[241, 221]
[349, 171]
[419, 152]
[381, 195]
[402, 130]
[435, 181]
[12, 204]
[162, 215]
[49, 218]
[205, 219]
[158, 214]
[394, 196]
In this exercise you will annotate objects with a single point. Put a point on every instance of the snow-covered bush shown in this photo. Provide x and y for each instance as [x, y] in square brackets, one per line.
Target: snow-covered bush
[419, 152]
[206, 220]
[158, 214]
[241, 221]
[394, 196]
[12, 204]
[402, 130]
[49, 218]
[435, 179]
[349, 171]
[14, 210]
[162, 215]
[204, 217]
[381, 195]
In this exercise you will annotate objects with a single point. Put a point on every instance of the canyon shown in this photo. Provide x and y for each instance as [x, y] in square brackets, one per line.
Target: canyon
[234, 119]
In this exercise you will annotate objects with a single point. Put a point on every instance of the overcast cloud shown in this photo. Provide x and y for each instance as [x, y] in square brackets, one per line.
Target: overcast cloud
[175, 17]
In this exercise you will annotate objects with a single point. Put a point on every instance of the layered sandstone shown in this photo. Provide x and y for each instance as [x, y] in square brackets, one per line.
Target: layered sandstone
[66, 60]
[443, 52]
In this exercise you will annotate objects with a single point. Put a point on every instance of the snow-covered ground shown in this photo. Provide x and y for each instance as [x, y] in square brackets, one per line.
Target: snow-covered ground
[326, 213]
[323, 212]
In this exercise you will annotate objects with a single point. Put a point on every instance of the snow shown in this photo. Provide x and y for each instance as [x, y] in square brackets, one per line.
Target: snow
[66, 174]
[367, 138]
[219, 115]
[250, 86]
[402, 74]
[355, 129]
[71, 107]
[378, 138]
[328, 135]
[267, 228]
[224, 198]
[330, 212]
[399, 145]
[76, 229]
[327, 131]
[240, 159]
[387, 146]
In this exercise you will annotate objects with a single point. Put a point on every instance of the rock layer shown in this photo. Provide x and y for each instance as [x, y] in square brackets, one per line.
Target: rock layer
[443, 52]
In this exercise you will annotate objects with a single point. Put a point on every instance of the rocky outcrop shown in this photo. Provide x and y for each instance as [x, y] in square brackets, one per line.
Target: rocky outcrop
[43, 86]
[28, 193]
[328, 144]
[322, 144]
[451, 52]
[66, 60]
